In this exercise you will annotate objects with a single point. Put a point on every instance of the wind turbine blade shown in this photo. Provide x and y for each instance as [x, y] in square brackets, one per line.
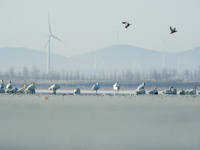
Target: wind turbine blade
[46, 45]
[57, 38]
[49, 25]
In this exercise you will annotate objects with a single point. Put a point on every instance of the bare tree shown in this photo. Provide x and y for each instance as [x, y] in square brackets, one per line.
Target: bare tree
[187, 74]
[129, 75]
[25, 73]
[19, 76]
[165, 74]
[11, 73]
[174, 73]
[67, 76]
[156, 75]
[77, 75]
[137, 76]
[195, 74]
[83, 76]
[36, 73]
[71, 76]
[115, 76]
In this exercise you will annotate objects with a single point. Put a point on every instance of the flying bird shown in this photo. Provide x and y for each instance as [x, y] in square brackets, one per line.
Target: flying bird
[173, 30]
[126, 24]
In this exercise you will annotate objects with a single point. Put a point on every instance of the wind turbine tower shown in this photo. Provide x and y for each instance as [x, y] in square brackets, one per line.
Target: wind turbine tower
[48, 43]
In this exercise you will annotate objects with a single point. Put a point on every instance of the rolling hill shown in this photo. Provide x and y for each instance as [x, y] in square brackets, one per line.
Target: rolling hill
[116, 57]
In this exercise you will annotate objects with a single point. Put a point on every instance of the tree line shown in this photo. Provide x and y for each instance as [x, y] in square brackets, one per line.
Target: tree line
[28, 75]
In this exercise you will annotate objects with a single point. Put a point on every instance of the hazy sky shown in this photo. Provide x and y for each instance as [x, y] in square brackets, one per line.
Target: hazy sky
[86, 25]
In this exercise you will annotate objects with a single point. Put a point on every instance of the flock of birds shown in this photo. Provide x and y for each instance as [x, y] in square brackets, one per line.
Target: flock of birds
[173, 30]
[10, 89]
[116, 87]
[139, 91]
[170, 91]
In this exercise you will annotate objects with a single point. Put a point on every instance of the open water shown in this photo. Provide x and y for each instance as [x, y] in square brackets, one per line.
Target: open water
[104, 122]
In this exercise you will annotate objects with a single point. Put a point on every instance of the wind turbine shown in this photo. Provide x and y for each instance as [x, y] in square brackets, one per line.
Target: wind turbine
[48, 42]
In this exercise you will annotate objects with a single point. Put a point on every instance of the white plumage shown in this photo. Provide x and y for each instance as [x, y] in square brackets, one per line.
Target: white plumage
[140, 91]
[14, 90]
[141, 86]
[31, 88]
[116, 87]
[181, 92]
[192, 91]
[22, 90]
[1, 84]
[96, 87]
[54, 88]
[77, 91]
[9, 85]
[168, 91]
[174, 91]
[187, 92]
[154, 91]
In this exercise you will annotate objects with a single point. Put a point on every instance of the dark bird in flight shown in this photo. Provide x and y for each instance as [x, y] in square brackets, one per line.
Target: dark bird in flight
[173, 30]
[126, 24]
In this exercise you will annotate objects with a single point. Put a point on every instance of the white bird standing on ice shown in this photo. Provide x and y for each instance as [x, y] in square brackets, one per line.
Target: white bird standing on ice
[2, 87]
[22, 90]
[126, 24]
[168, 91]
[9, 85]
[192, 91]
[140, 89]
[96, 87]
[154, 91]
[31, 88]
[54, 88]
[77, 91]
[1, 84]
[116, 87]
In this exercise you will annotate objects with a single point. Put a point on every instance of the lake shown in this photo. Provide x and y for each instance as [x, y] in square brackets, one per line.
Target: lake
[107, 122]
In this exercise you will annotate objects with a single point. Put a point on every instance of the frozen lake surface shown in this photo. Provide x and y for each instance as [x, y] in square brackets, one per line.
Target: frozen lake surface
[29, 122]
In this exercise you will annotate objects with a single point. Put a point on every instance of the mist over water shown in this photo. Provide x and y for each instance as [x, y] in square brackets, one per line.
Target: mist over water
[99, 122]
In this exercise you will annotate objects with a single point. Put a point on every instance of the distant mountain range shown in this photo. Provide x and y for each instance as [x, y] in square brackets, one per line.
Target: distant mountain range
[116, 57]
